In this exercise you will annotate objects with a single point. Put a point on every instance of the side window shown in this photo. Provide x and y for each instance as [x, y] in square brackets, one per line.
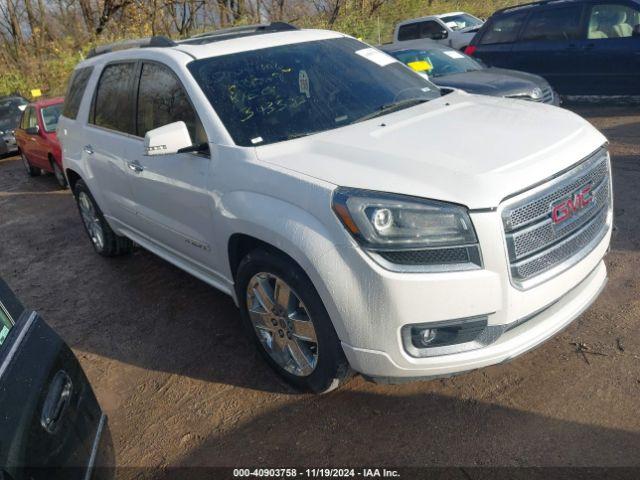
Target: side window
[5, 324]
[162, 100]
[430, 29]
[113, 107]
[33, 118]
[554, 24]
[24, 122]
[409, 32]
[75, 92]
[610, 20]
[503, 29]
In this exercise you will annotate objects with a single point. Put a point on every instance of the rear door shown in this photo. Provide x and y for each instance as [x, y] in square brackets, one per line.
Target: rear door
[550, 45]
[49, 417]
[498, 37]
[611, 51]
[111, 124]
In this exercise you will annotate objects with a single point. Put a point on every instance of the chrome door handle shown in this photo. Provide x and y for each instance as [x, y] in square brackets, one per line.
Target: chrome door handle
[135, 166]
[88, 149]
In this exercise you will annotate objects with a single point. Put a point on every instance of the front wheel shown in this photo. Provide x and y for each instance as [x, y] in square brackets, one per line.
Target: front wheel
[286, 317]
[104, 239]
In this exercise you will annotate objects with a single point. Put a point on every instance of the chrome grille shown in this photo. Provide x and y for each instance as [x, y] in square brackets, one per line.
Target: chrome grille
[535, 243]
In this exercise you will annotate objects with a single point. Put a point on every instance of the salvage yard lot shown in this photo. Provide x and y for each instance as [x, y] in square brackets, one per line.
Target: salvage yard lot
[183, 386]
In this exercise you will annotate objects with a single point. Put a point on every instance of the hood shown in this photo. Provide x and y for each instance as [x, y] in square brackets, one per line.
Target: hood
[491, 81]
[461, 148]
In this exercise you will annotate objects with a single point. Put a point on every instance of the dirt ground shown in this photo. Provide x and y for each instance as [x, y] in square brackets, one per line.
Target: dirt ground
[182, 386]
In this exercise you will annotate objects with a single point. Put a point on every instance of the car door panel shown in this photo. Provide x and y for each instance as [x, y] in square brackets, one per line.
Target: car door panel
[50, 419]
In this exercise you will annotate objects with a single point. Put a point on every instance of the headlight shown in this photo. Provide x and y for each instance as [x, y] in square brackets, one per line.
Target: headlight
[409, 232]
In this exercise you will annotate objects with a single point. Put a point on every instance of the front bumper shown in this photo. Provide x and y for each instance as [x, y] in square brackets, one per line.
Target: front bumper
[372, 305]
[10, 144]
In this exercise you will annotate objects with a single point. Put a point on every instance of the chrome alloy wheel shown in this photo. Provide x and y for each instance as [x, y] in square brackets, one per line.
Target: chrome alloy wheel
[91, 220]
[283, 324]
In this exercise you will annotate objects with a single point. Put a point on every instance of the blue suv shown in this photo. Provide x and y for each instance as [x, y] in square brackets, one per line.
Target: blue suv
[582, 47]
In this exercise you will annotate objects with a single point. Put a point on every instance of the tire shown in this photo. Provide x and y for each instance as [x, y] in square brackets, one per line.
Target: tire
[103, 238]
[331, 367]
[57, 172]
[31, 171]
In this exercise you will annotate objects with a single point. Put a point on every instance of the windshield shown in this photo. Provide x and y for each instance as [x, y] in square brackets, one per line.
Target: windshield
[10, 112]
[461, 21]
[279, 93]
[436, 62]
[50, 117]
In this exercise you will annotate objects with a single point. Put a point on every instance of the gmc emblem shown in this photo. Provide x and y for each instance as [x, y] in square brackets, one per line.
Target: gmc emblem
[568, 207]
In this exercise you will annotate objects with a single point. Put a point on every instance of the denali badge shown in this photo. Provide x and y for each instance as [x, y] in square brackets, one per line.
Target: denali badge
[569, 206]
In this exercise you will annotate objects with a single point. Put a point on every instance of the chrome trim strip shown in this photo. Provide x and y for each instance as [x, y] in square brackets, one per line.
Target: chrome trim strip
[94, 448]
[14, 348]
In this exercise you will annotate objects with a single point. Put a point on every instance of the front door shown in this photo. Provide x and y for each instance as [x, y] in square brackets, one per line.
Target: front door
[172, 199]
[49, 416]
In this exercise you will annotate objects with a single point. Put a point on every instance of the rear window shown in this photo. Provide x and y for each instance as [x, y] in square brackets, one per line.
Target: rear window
[503, 29]
[554, 24]
[113, 106]
[77, 86]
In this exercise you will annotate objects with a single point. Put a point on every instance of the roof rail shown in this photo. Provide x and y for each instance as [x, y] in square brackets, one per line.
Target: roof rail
[157, 41]
[241, 31]
[528, 5]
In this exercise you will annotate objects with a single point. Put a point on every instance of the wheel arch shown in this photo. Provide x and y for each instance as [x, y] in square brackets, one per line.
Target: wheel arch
[72, 178]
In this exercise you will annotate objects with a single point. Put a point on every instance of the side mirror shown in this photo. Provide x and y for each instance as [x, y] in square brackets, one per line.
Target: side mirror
[440, 35]
[32, 130]
[167, 140]
[636, 31]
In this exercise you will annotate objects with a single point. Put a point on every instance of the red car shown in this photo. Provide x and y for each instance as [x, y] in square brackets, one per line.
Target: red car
[37, 140]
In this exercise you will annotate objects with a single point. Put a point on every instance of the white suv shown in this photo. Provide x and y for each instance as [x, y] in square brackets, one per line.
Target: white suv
[361, 218]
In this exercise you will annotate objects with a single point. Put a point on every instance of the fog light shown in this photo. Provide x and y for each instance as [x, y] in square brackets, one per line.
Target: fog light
[426, 336]
[447, 337]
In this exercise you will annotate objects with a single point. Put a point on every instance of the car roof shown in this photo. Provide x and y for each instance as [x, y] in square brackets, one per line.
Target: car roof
[217, 46]
[421, 44]
[430, 17]
[47, 102]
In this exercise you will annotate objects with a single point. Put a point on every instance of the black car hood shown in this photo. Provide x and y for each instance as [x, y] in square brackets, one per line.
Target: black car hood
[496, 82]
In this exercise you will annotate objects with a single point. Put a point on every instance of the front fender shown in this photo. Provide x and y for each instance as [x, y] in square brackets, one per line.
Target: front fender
[294, 231]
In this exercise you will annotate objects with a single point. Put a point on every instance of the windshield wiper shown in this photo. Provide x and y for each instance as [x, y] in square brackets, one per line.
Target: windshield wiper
[391, 107]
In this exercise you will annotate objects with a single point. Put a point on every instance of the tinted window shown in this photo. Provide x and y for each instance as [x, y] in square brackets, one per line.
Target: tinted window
[612, 21]
[32, 121]
[503, 29]
[75, 92]
[554, 24]
[24, 123]
[274, 94]
[113, 107]
[409, 32]
[50, 117]
[162, 100]
[11, 109]
[413, 31]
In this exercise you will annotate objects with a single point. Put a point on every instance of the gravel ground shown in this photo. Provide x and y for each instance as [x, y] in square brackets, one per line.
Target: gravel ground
[182, 386]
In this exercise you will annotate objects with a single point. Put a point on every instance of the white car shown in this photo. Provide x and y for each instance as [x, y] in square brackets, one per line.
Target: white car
[361, 219]
[455, 29]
